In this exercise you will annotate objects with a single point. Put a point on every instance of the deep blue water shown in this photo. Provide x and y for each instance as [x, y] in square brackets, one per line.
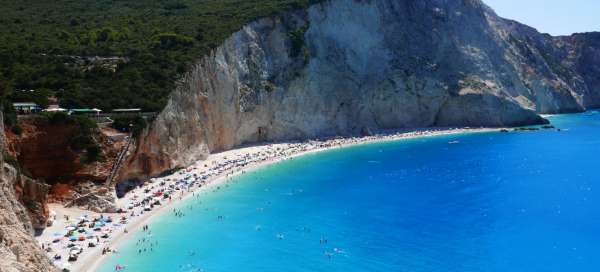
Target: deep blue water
[527, 201]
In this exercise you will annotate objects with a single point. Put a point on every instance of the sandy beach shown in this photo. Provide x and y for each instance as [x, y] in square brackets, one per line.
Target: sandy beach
[108, 231]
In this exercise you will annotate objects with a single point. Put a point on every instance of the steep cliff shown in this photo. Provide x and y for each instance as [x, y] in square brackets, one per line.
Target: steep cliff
[55, 152]
[344, 65]
[52, 152]
[18, 249]
[22, 209]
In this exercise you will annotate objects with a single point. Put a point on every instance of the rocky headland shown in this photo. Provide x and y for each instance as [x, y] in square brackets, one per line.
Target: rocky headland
[342, 67]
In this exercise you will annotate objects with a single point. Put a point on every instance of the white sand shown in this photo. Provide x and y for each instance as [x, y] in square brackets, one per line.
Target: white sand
[218, 168]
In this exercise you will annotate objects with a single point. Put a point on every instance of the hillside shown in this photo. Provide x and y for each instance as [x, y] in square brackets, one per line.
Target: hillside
[352, 66]
[142, 47]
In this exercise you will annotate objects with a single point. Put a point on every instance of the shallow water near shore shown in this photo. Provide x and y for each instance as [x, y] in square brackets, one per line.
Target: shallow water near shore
[519, 201]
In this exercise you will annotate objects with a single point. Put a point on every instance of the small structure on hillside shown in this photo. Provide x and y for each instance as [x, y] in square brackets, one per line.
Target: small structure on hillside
[85, 111]
[54, 108]
[92, 113]
[26, 107]
[127, 111]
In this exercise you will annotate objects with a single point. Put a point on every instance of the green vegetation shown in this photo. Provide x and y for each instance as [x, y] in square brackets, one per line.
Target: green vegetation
[10, 116]
[297, 38]
[10, 159]
[16, 129]
[48, 46]
[92, 154]
[133, 124]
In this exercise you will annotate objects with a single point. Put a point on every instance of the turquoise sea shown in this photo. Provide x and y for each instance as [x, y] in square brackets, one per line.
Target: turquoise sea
[518, 201]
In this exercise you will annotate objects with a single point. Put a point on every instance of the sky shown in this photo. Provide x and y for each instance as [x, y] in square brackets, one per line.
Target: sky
[556, 17]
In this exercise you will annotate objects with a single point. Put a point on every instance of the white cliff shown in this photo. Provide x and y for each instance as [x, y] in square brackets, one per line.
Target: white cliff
[345, 65]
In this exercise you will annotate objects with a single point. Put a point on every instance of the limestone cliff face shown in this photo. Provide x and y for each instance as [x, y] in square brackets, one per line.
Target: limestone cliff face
[19, 252]
[34, 196]
[344, 65]
[581, 64]
[18, 249]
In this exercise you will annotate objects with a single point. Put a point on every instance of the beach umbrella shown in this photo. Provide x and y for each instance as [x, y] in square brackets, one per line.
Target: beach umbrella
[73, 238]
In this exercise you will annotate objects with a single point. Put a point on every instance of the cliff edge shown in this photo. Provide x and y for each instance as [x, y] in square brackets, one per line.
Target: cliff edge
[19, 252]
[343, 66]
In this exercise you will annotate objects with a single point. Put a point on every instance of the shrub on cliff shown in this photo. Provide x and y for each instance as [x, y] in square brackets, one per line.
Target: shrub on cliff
[55, 118]
[92, 154]
[85, 124]
[133, 124]
[10, 116]
[16, 129]
[10, 159]
[297, 38]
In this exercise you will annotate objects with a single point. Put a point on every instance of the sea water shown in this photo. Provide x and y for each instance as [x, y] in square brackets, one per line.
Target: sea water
[518, 201]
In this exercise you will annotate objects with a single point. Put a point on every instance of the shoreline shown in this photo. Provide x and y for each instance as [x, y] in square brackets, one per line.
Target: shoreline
[254, 157]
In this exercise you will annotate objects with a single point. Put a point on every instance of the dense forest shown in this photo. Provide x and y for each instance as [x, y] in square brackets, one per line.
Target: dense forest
[112, 53]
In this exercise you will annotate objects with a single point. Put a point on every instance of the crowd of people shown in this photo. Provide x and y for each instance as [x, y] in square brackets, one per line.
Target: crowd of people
[89, 232]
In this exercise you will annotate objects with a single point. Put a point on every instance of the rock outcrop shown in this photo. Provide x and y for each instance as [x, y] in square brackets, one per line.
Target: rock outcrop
[18, 249]
[34, 196]
[44, 150]
[19, 252]
[345, 65]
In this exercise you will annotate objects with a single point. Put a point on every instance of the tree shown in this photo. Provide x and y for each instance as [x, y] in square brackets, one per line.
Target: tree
[93, 153]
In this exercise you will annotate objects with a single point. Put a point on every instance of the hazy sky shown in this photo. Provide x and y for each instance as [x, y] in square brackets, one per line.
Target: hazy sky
[557, 17]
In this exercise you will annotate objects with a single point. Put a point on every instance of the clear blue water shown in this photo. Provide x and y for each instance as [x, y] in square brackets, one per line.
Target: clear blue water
[495, 202]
